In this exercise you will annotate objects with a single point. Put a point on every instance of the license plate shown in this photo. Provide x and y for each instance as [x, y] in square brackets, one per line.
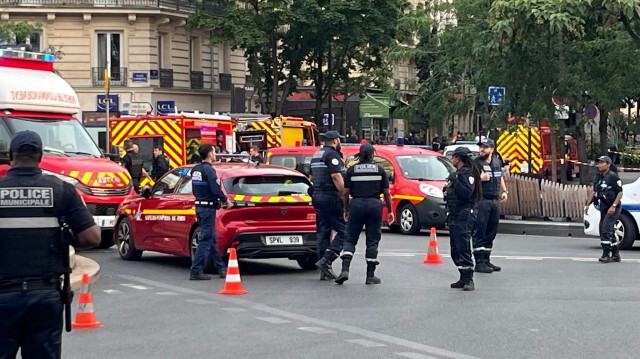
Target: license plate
[103, 221]
[283, 240]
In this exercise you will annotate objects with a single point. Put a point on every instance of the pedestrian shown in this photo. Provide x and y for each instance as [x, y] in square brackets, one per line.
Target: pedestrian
[457, 137]
[254, 152]
[209, 197]
[494, 191]
[607, 193]
[194, 157]
[435, 143]
[327, 170]
[33, 208]
[160, 163]
[133, 163]
[364, 181]
[463, 191]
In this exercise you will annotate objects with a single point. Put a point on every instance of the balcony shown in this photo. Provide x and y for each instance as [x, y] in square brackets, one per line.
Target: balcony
[225, 82]
[197, 80]
[166, 77]
[215, 10]
[118, 76]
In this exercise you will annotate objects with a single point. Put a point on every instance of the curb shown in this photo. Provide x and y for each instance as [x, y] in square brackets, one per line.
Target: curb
[84, 265]
[540, 228]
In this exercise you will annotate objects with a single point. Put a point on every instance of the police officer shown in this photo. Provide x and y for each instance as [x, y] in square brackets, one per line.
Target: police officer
[365, 181]
[160, 163]
[494, 191]
[133, 163]
[209, 196]
[607, 193]
[462, 192]
[327, 170]
[32, 256]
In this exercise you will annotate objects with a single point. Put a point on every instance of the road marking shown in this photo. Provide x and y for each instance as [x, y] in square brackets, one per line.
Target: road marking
[584, 259]
[234, 309]
[415, 356]
[167, 293]
[523, 258]
[274, 320]
[134, 286]
[200, 301]
[306, 319]
[112, 291]
[316, 330]
[365, 343]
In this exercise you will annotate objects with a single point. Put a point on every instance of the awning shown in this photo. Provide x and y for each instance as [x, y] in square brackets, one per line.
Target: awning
[375, 106]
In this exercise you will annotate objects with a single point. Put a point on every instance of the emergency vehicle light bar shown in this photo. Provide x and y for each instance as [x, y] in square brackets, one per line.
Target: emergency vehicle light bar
[18, 54]
[26, 60]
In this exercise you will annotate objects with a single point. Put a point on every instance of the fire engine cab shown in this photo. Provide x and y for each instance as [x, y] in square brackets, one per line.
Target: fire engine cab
[33, 97]
[266, 132]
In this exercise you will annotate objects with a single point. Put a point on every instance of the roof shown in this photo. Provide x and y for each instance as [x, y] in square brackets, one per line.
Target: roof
[349, 149]
[237, 169]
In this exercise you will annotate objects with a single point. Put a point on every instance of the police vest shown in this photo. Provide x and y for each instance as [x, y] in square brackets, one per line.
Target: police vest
[452, 197]
[365, 180]
[30, 244]
[322, 181]
[490, 188]
[136, 165]
[604, 192]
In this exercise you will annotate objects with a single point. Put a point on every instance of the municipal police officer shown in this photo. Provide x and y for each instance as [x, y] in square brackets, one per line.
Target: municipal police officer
[494, 190]
[133, 163]
[327, 170]
[365, 181]
[607, 194]
[462, 193]
[209, 197]
[32, 253]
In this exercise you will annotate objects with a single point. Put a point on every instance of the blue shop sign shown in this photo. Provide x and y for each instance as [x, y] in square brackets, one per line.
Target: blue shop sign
[154, 74]
[112, 101]
[140, 77]
[165, 107]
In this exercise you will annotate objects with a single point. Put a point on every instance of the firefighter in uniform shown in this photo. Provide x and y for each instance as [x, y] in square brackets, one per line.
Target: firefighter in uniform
[33, 208]
[462, 192]
[327, 170]
[209, 197]
[494, 191]
[133, 163]
[606, 196]
[365, 181]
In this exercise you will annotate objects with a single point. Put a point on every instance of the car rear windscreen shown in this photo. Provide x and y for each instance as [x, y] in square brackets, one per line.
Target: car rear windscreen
[272, 185]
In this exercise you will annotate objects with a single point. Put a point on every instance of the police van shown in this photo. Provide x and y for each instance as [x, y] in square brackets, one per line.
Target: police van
[33, 97]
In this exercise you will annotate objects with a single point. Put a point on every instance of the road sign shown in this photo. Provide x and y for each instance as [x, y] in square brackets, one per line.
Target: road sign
[140, 108]
[496, 95]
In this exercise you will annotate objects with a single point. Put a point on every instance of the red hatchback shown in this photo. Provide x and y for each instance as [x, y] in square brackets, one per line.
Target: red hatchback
[271, 217]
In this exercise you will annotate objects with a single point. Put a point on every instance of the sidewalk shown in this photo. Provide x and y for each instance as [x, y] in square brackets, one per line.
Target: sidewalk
[80, 266]
[541, 228]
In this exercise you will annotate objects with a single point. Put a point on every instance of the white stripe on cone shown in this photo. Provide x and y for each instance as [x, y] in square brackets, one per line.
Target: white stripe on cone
[233, 277]
[233, 263]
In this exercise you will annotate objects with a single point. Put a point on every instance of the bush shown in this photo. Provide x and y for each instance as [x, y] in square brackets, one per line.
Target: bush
[593, 152]
[631, 158]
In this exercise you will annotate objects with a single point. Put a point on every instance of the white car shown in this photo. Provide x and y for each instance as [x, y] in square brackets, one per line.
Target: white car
[626, 228]
[473, 147]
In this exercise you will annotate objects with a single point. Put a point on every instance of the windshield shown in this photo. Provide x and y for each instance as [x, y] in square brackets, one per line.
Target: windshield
[425, 167]
[59, 137]
[270, 186]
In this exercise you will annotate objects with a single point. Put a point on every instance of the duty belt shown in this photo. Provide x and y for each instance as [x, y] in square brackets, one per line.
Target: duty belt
[206, 203]
[27, 286]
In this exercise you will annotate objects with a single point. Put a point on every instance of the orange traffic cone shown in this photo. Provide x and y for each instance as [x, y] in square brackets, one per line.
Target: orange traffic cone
[85, 316]
[433, 256]
[233, 284]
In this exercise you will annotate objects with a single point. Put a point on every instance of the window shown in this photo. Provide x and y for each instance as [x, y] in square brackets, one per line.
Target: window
[164, 50]
[185, 186]
[110, 54]
[278, 185]
[167, 184]
[35, 40]
[195, 54]
[382, 162]
[424, 167]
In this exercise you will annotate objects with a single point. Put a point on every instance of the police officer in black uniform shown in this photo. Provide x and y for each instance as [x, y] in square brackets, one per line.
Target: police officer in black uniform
[494, 191]
[462, 193]
[607, 193]
[33, 207]
[327, 170]
[133, 163]
[365, 181]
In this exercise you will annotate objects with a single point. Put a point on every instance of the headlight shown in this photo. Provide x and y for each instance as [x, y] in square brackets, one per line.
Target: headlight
[63, 178]
[430, 190]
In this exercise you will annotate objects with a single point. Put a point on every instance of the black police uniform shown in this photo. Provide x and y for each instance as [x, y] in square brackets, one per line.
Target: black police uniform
[461, 220]
[327, 202]
[366, 181]
[133, 163]
[606, 188]
[31, 259]
[160, 166]
[488, 213]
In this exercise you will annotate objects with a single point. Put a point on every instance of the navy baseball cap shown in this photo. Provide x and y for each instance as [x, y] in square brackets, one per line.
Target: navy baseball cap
[488, 142]
[367, 148]
[331, 135]
[606, 159]
[26, 138]
[461, 152]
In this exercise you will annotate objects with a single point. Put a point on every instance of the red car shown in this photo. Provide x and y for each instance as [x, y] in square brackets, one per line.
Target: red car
[271, 217]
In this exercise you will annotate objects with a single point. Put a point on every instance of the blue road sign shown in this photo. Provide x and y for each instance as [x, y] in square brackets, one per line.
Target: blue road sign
[496, 95]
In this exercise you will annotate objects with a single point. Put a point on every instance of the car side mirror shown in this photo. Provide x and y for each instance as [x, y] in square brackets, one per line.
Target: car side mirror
[146, 192]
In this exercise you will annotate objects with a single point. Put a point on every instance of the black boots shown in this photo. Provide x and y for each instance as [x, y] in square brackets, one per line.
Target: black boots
[371, 269]
[324, 264]
[491, 265]
[605, 256]
[615, 254]
[460, 283]
[466, 275]
[344, 274]
[481, 262]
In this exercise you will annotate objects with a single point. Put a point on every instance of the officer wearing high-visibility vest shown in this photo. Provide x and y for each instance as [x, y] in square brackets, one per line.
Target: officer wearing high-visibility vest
[327, 170]
[462, 193]
[365, 181]
[33, 252]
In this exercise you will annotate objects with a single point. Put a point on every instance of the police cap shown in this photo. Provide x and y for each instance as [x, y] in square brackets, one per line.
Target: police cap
[487, 142]
[331, 135]
[461, 152]
[366, 148]
[606, 159]
[26, 142]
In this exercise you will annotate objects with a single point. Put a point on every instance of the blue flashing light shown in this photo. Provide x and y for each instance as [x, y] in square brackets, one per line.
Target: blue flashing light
[49, 57]
[184, 171]
[400, 141]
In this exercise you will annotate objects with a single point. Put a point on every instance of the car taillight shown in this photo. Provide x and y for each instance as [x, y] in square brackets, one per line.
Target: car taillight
[234, 244]
[311, 216]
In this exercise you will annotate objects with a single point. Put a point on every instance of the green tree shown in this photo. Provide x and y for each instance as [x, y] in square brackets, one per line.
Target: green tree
[17, 32]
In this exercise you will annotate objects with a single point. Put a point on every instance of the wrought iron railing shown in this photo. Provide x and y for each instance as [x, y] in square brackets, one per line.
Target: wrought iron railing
[118, 76]
[178, 5]
[166, 77]
[197, 80]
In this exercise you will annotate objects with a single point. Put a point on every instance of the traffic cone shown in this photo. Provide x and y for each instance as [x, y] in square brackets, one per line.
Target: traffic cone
[233, 284]
[433, 256]
[85, 316]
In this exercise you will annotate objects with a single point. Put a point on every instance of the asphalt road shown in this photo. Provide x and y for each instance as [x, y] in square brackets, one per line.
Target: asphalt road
[552, 300]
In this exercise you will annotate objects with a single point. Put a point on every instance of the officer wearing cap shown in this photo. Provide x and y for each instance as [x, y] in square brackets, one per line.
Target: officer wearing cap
[327, 169]
[33, 208]
[461, 195]
[364, 182]
[607, 192]
[494, 191]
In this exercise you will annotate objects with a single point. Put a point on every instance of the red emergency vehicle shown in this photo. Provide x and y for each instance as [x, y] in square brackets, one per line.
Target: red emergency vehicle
[33, 97]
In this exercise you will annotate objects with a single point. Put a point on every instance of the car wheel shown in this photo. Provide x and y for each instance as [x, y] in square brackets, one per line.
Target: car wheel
[307, 262]
[408, 219]
[106, 240]
[625, 232]
[126, 243]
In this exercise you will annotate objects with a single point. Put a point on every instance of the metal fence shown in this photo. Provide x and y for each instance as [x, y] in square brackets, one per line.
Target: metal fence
[533, 198]
[178, 5]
